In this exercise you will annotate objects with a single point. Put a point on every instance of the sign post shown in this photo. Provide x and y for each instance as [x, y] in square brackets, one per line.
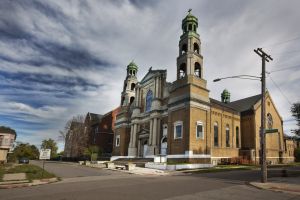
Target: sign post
[44, 155]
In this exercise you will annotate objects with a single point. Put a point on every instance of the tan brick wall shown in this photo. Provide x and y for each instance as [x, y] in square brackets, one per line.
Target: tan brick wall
[121, 150]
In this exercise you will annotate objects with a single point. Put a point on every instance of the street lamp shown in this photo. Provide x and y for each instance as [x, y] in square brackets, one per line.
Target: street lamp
[249, 77]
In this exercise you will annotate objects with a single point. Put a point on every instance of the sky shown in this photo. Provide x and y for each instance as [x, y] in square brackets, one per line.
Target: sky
[61, 58]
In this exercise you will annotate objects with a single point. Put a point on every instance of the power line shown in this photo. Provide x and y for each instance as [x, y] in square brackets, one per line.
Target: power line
[284, 69]
[287, 52]
[280, 90]
[279, 43]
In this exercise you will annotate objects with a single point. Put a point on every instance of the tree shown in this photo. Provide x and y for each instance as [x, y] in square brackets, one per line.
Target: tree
[24, 150]
[92, 151]
[75, 137]
[295, 109]
[50, 144]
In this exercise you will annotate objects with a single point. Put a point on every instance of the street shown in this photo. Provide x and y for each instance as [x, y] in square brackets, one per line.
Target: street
[80, 182]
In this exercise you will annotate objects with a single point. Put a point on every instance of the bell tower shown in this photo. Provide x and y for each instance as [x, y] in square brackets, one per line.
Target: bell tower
[128, 92]
[190, 60]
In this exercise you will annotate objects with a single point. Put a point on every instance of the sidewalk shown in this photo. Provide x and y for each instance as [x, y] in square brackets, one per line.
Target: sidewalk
[142, 171]
[283, 184]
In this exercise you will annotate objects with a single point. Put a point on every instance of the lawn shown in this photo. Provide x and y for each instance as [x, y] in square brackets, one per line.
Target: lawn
[222, 168]
[1, 172]
[32, 171]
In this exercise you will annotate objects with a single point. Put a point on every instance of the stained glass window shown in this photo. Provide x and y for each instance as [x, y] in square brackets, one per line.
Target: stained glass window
[149, 100]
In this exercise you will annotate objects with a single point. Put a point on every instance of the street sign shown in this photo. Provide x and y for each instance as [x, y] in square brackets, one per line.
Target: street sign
[271, 130]
[45, 154]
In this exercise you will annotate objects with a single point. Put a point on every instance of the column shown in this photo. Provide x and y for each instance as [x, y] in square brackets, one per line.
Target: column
[131, 136]
[151, 133]
[137, 96]
[154, 131]
[134, 135]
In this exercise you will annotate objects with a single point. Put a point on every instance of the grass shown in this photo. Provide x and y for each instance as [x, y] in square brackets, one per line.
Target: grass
[223, 168]
[32, 171]
[2, 171]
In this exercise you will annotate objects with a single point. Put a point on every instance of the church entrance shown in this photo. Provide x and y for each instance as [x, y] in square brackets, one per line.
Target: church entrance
[145, 148]
[163, 146]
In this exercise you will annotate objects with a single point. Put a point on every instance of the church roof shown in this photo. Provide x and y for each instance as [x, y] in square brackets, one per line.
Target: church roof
[95, 117]
[245, 104]
[150, 74]
[239, 105]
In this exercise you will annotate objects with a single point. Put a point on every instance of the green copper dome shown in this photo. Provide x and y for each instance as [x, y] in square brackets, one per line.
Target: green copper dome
[225, 96]
[190, 22]
[132, 66]
[132, 69]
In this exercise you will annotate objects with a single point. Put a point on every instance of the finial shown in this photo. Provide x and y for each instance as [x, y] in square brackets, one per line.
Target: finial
[190, 10]
[150, 68]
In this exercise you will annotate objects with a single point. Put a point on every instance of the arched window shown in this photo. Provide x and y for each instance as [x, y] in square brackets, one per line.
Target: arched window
[227, 136]
[132, 86]
[182, 70]
[149, 100]
[183, 49]
[216, 134]
[122, 101]
[196, 48]
[197, 70]
[125, 86]
[190, 27]
[131, 100]
[195, 28]
[237, 138]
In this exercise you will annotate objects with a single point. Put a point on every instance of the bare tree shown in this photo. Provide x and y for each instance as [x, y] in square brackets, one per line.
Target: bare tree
[75, 136]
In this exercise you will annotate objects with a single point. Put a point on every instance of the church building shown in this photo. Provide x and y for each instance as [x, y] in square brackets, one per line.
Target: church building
[181, 121]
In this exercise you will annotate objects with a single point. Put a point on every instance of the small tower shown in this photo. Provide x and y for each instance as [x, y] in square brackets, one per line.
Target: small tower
[190, 60]
[225, 96]
[128, 92]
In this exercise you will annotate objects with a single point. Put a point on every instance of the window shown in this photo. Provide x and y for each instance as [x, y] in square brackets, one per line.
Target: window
[237, 132]
[132, 86]
[216, 134]
[199, 130]
[227, 136]
[269, 121]
[182, 70]
[197, 70]
[190, 27]
[117, 140]
[196, 48]
[131, 100]
[149, 100]
[178, 130]
[183, 49]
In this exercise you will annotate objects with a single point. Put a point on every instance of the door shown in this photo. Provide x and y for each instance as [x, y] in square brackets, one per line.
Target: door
[164, 145]
[145, 150]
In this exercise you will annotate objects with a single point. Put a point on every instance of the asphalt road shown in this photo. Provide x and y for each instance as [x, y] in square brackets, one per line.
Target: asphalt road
[221, 185]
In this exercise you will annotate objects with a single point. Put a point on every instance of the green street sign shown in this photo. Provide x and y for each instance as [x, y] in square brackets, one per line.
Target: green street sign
[271, 130]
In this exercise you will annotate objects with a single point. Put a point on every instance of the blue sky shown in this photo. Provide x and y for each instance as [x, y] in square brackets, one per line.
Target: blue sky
[63, 58]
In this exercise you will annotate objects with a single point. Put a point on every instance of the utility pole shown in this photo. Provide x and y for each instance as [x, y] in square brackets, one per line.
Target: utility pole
[265, 57]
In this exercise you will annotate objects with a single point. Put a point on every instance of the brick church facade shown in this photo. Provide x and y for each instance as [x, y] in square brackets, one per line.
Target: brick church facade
[181, 121]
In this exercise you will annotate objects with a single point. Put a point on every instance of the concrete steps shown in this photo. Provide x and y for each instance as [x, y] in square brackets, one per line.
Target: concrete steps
[140, 162]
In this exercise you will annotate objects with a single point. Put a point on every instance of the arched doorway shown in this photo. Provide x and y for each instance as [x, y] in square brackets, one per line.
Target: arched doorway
[145, 148]
[163, 146]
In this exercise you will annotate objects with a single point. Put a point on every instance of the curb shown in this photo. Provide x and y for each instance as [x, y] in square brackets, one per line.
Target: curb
[34, 183]
[277, 187]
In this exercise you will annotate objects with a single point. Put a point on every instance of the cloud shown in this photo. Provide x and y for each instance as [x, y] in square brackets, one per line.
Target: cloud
[62, 58]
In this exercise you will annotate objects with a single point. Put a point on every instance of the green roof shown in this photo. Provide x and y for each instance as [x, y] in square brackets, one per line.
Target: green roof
[190, 18]
[132, 65]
